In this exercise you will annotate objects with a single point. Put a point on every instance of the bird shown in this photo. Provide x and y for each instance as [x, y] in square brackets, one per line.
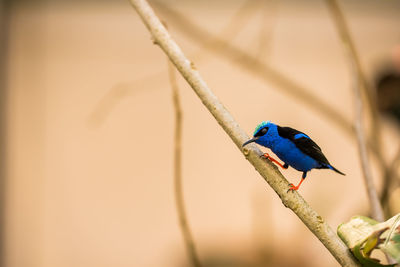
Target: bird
[294, 148]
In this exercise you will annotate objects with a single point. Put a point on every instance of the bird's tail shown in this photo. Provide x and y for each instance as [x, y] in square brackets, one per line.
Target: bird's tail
[334, 169]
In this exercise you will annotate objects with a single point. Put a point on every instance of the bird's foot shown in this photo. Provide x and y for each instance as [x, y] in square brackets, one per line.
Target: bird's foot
[293, 187]
[267, 156]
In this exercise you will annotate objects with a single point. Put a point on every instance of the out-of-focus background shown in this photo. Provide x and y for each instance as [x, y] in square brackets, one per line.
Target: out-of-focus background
[87, 130]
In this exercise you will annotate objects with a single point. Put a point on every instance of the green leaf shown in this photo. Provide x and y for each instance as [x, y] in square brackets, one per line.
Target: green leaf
[392, 242]
[363, 235]
[396, 238]
[366, 261]
[370, 244]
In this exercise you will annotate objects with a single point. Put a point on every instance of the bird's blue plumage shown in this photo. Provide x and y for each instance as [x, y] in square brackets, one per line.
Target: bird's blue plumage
[293, 147]
[300, 135]
[286, 150]
[260, 127]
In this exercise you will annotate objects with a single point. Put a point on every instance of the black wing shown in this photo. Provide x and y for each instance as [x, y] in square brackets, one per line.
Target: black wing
[304, 143]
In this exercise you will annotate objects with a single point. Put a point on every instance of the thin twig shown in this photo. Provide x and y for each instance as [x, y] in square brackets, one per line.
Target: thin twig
[267, 170]
[179, 200]
[359, 87]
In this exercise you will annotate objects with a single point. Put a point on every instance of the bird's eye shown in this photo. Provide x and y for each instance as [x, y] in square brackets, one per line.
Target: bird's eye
[262, 132]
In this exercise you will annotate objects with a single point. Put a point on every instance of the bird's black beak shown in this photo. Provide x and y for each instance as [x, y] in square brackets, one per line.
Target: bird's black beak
[250, 141]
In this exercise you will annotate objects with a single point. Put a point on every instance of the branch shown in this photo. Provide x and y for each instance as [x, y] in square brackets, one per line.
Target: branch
[179, 201]
[359, 86]
[267, 170]
[387, 183]
[375, 205]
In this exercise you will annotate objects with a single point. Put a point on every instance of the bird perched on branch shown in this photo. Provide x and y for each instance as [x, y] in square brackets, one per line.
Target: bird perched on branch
[293, 147]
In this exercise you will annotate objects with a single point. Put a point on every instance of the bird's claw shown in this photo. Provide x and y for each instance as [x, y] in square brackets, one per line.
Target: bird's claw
[265, 156]
[268, 157]
[292, 188]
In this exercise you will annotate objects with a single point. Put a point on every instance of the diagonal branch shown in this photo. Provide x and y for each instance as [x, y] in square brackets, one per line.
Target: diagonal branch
[179, 200]
[269, 172]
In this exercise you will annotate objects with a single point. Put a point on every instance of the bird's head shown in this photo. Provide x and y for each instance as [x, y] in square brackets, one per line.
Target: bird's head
[261, 135]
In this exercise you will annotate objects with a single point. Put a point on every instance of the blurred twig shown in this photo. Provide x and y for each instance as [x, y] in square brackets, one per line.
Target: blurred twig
[390, 179]
[237, 21]
[179, 200]
[375, 205]
[112, 97]
[266, 30]
[108, 102]
[396, 161]
[348, 42]
[387, 185]
[269, 74]
[254, 65]
[375, 143]
[360, 86]
[268, 171]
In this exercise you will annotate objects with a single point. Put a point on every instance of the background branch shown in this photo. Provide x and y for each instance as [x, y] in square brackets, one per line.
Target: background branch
[267, 73]
[236, 22]
[254, 65]
[375, 205]
[390, 183]
[346, 38]
[268, 171]
[110, 100]
[179, 200]
[266, 30]
[359, 87]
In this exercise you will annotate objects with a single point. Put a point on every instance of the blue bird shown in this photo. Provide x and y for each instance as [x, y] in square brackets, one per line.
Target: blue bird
[293, 147]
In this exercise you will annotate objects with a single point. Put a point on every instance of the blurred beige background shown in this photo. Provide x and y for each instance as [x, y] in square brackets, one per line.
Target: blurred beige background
[90, 131]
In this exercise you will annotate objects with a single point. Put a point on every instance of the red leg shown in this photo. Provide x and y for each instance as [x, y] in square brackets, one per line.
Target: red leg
[267, 156]
[295, 188]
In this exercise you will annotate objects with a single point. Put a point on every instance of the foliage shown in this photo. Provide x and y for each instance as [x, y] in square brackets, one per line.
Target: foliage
[363, 235]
